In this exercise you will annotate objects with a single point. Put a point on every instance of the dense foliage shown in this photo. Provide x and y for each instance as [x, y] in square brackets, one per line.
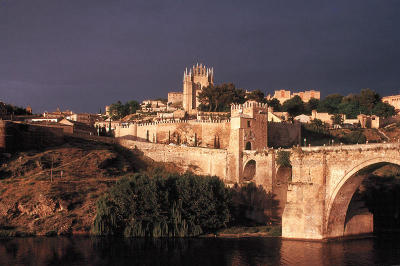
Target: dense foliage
[175, 206]
[218, 98]
[119, 110]
[366, 102]
[16, 110]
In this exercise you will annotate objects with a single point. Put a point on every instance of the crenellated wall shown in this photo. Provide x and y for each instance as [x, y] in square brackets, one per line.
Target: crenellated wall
[207, 133]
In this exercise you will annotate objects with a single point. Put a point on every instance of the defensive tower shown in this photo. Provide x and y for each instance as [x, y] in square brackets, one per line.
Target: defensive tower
[194, 80]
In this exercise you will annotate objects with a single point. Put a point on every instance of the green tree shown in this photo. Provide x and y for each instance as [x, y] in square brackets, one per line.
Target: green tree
[337, 119]
[368, 99]
[162, 206]
[312, 104]
[256, 95]
[383, 110]
[330, 104]
[119, 110]
[294, 106]
[275, 104]
[220, 97]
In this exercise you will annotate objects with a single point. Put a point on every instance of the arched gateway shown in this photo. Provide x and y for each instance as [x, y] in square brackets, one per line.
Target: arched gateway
[324, 182]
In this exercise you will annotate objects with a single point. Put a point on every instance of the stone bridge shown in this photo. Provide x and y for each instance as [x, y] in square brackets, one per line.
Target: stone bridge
[324, 180]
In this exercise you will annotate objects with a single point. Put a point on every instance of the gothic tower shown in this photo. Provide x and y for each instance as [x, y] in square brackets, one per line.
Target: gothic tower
[194, 81]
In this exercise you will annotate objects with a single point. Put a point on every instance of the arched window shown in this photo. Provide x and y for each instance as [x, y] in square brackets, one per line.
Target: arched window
[248, 146]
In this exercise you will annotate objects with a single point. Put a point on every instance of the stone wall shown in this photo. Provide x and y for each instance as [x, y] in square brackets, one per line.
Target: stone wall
[202, 161]
[20, 136]
[283, 134]
[207, 133]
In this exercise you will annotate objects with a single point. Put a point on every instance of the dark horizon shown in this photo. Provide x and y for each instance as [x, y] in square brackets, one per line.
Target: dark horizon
[84, 55]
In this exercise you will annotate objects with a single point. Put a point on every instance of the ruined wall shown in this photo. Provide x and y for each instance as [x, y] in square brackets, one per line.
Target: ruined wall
[202, 161]
[20, 136]
[283, 134]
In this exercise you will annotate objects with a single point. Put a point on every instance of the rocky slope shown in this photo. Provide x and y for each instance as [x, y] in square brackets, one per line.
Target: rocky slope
[54, 191]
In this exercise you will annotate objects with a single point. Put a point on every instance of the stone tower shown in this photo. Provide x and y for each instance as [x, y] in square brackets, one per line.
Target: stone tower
[249, 125]
[197, 78]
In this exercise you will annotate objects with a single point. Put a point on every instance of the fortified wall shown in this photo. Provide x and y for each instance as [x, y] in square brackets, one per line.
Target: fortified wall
[193, 132]
[228, 148]
[20, 136]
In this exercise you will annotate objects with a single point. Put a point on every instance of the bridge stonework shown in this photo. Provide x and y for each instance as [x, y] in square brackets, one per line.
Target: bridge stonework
[324, 180]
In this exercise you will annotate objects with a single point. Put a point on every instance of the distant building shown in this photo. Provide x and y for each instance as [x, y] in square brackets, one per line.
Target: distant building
[284, 95]
[57, 114]
[78, 127]
[393, 100]
[175, 97]
[85, 118]
[107, 110]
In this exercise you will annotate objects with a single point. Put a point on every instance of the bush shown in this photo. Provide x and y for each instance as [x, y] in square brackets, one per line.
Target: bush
[354, 137]
[163, 206]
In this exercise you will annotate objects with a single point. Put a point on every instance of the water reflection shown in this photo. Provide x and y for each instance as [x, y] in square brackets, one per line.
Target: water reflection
[250, 251]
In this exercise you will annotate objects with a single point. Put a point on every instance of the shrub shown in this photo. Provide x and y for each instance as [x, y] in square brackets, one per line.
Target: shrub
[163, 206]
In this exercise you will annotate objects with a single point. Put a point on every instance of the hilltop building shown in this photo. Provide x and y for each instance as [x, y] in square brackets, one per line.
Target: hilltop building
[393, 100]
[284, 95]
[194, 81]
[175, 97]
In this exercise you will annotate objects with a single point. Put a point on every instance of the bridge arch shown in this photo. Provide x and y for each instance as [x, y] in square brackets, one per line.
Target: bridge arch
[249, 171]
[339, 200]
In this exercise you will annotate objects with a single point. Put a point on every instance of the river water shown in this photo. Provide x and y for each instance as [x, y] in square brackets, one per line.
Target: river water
[213, 251]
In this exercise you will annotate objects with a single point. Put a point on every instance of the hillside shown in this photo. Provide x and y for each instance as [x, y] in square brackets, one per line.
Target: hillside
[54, 191]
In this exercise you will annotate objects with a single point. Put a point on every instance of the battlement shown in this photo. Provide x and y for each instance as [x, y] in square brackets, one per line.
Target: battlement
[249, 104]
[250, 108]
[198, 71]
[175, 121]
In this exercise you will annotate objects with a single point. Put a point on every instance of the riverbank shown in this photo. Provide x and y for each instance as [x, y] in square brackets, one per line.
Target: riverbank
[230, 232]
[247, 231]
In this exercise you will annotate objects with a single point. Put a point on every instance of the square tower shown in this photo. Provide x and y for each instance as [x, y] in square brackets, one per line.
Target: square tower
[194, 81]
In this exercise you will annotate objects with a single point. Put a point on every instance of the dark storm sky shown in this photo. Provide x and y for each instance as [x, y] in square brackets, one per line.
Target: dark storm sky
[84, 54]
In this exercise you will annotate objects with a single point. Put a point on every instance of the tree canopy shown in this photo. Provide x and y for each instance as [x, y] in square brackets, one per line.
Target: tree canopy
[294, 106]
[119, 110]
[366, 102]
[218, 98]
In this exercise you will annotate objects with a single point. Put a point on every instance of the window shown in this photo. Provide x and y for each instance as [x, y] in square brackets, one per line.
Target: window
[248, 146]
[248, 124]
